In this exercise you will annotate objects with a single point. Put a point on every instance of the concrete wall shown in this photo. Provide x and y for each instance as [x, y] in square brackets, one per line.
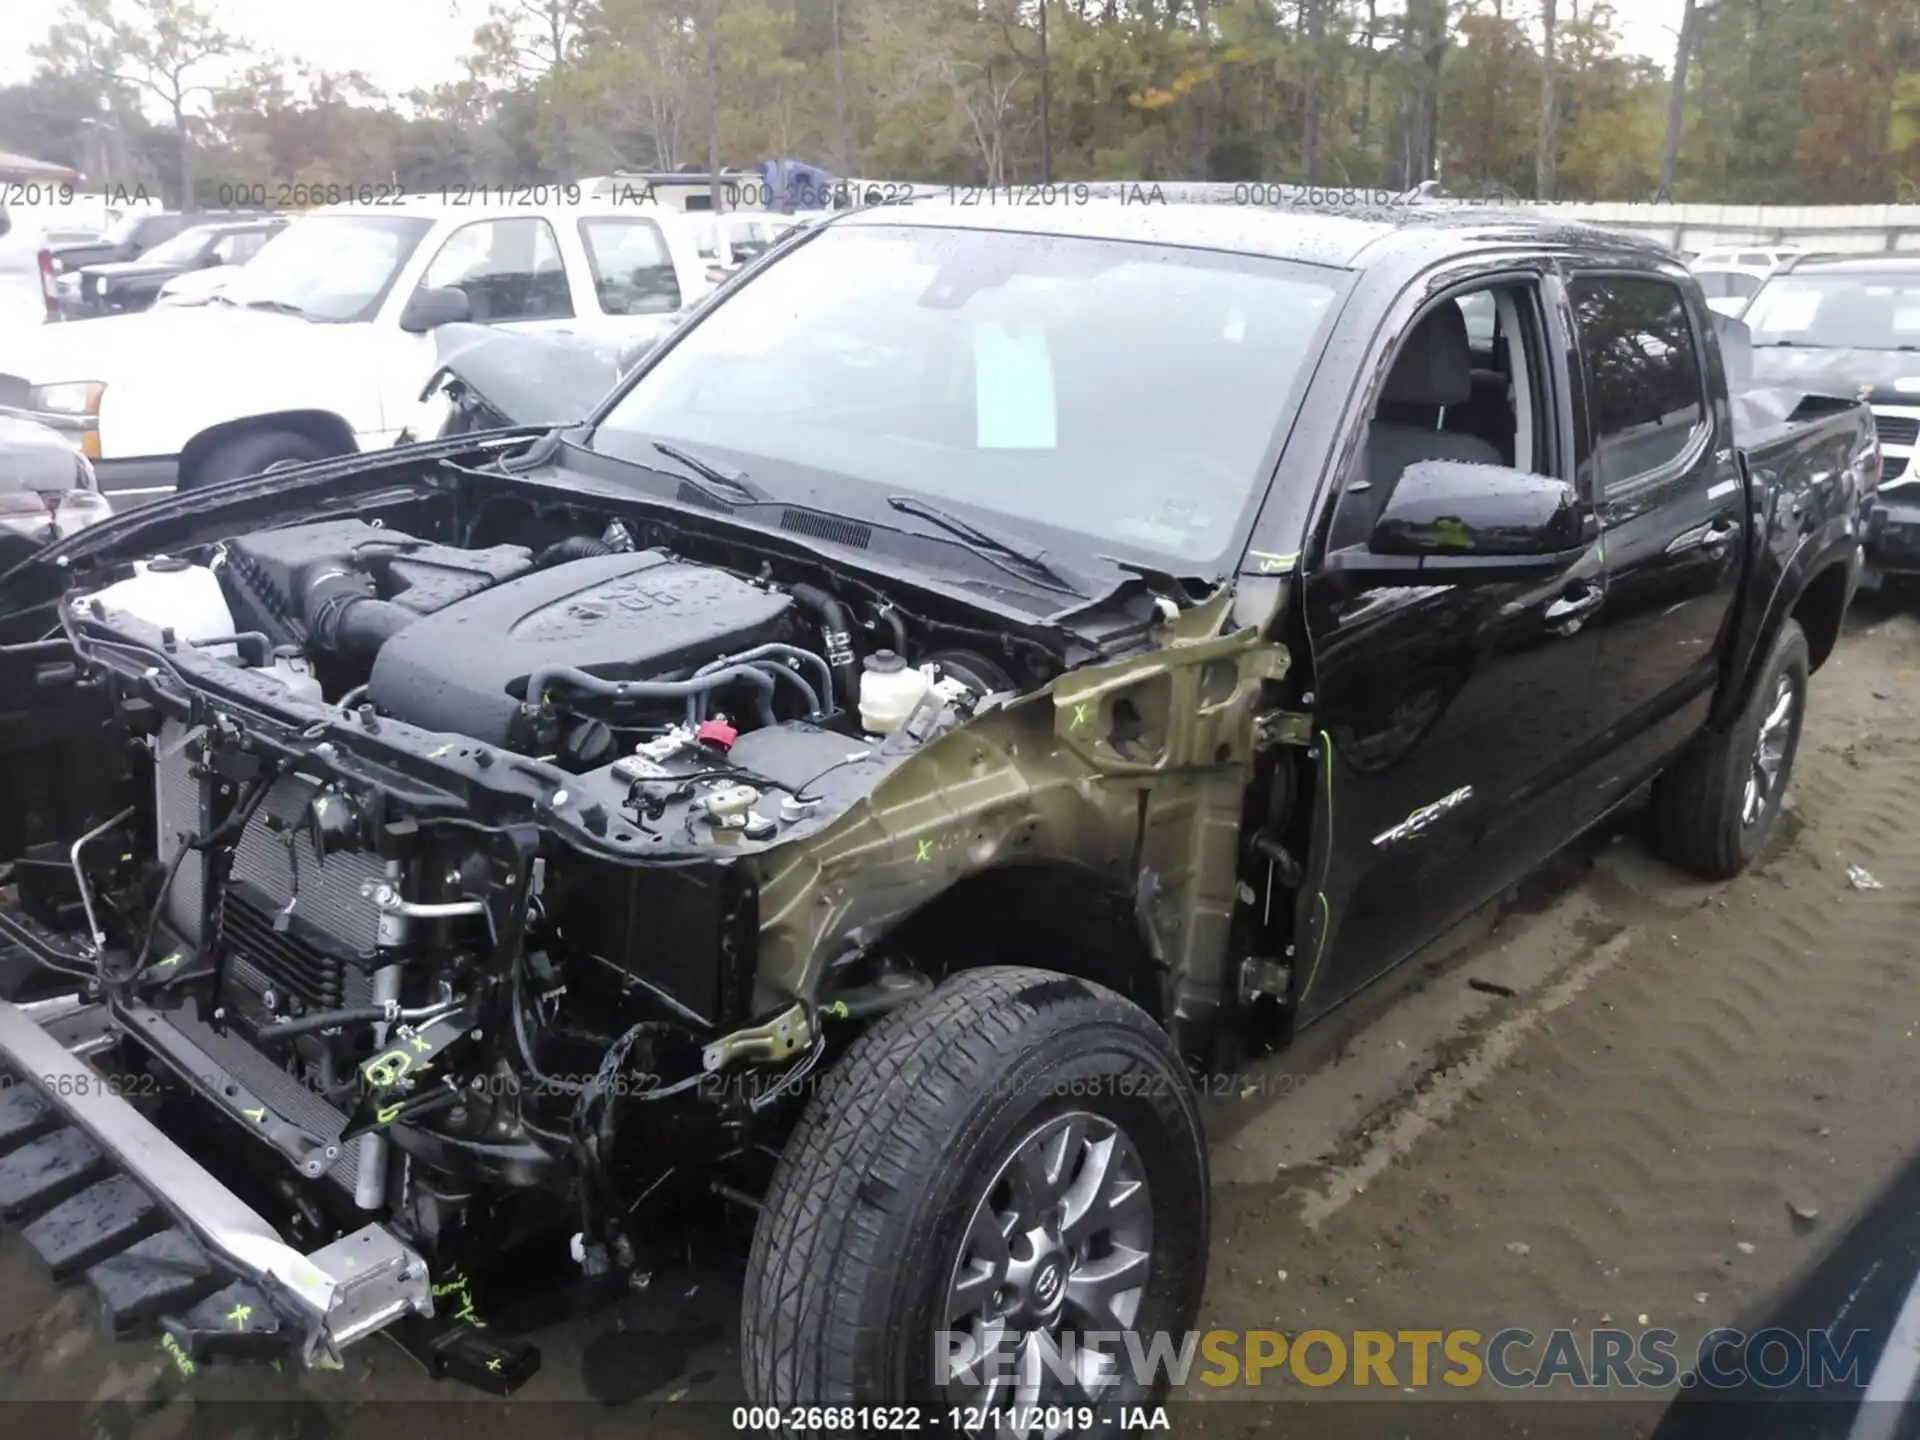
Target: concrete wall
[1869, 228]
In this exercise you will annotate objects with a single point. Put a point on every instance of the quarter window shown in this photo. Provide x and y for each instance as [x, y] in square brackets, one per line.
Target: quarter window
[1645, 401]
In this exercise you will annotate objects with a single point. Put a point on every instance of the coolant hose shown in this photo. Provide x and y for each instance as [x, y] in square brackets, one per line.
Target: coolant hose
[836, 629]
[819, 699]
[574, 547]
[544, 679]
[345, 617]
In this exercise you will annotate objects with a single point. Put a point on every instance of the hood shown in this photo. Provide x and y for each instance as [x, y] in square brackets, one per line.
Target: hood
[1852, 374]
[544, 378]
[199, 285]
[32, 457]
[105, 349]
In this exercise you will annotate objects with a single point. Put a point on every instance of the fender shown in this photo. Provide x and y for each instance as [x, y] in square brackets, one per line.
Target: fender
[1835, 542]
[159, 397]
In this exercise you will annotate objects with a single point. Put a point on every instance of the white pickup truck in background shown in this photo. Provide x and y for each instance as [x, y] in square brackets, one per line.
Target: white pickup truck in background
[322, 344]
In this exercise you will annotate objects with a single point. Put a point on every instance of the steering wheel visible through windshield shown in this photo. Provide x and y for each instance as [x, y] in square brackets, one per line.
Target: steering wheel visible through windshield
[1128, 393]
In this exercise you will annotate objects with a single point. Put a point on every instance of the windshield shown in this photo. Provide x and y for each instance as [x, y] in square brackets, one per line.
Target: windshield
[1125, 392]
[182, 248]
[335, 268]
[1863, 311]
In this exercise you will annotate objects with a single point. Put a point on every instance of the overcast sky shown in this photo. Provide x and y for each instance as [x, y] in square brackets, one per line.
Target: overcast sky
[403, 44]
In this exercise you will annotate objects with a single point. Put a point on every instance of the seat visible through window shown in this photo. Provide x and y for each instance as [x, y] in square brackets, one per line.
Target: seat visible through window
[1434, 371]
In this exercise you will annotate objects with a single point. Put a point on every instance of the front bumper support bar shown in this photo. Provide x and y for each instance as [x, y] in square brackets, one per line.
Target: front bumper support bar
[101, 1189]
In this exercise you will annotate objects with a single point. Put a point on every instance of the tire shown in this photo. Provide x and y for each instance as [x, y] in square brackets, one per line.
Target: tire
[254, 453]
[914, 1143]
[1703, 818]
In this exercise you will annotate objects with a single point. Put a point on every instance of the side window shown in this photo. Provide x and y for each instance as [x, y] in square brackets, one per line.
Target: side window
[632, 268]
[1645, 400]
[510, 270]
[1446, 397]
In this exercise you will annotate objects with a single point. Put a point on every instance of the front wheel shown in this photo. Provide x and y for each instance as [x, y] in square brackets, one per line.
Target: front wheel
[996, 1187]
[1713, 812]
[254, 454]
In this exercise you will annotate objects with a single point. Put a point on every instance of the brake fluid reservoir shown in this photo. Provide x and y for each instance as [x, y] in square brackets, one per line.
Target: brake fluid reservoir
[889, 691]
[178, 596]
[292, 671]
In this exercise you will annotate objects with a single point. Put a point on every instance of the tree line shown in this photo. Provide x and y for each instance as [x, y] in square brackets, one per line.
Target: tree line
[1759, 101]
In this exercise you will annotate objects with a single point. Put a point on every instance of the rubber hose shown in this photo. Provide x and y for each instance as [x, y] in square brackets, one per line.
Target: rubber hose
[836, 629]
[689, 690]
[574, 547]
[345, 617]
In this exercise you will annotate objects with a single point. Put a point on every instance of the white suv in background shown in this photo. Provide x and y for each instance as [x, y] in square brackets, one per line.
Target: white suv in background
[321, 345]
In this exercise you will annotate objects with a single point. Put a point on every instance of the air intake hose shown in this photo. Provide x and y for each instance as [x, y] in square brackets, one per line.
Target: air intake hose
[574, 547]
[345, 617]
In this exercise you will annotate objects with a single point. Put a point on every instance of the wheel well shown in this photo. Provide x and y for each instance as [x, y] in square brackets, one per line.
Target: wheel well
[1050, 915]
[1819, 611]
[321, 426]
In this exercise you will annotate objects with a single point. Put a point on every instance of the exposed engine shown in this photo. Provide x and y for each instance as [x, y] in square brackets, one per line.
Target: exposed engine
[341, 930]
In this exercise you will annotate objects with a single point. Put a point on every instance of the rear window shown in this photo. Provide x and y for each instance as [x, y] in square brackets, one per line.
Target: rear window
[632, 268]
[1645, 400]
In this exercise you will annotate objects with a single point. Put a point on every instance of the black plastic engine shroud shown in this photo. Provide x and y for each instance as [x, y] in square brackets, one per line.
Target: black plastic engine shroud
[630, 616]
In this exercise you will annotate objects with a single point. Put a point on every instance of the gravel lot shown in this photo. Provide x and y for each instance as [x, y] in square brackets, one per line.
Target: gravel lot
[1621, 1137]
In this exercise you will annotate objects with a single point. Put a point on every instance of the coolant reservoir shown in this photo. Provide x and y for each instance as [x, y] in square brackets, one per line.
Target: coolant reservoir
[889, 691]
[178, 596]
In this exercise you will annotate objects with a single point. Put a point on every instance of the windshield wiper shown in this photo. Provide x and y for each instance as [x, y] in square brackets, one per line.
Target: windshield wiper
[985, 542]
[735, 480]
[278, 307]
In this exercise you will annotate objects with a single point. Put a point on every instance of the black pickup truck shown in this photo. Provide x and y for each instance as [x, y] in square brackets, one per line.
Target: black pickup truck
[961, 691]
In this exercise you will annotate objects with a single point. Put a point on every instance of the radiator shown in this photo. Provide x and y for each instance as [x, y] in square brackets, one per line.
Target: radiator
[274, 863]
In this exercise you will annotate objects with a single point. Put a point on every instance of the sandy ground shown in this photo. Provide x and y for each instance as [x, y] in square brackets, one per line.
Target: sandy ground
[1616, 1142]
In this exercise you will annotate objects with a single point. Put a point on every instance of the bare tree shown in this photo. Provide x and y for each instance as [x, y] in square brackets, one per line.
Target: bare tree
[166, 48]
[1547, 140]
[1677, 96]
[538, 41]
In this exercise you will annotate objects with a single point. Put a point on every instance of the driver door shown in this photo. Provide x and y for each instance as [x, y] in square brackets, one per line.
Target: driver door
[1450, 707]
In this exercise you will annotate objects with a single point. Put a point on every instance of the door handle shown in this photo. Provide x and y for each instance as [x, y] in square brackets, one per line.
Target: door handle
[1579, 601]
[1712, 537]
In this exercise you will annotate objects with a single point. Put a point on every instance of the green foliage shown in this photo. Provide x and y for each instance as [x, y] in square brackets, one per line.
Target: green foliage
[1805, 101]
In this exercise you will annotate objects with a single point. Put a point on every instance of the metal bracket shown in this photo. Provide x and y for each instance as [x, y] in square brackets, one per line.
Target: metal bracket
[376, 1280]
[1281, 727]
[1263, 977]
[778, 1039]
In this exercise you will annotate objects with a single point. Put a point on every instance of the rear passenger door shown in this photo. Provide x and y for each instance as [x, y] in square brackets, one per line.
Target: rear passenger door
[1653, 447]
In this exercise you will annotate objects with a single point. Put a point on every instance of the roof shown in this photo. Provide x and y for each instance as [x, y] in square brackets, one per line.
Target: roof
[1348, 237]
[1853, 264]
[22, 167]
[515, 201]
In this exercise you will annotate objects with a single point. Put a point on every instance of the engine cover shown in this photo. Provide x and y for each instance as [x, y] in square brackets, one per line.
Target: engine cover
[633, 616]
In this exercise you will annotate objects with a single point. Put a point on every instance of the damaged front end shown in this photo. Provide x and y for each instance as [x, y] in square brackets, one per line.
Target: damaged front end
[503, 869]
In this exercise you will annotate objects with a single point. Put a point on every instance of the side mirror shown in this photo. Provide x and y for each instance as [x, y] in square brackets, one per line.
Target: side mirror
[1454, 508]
[431, 308]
